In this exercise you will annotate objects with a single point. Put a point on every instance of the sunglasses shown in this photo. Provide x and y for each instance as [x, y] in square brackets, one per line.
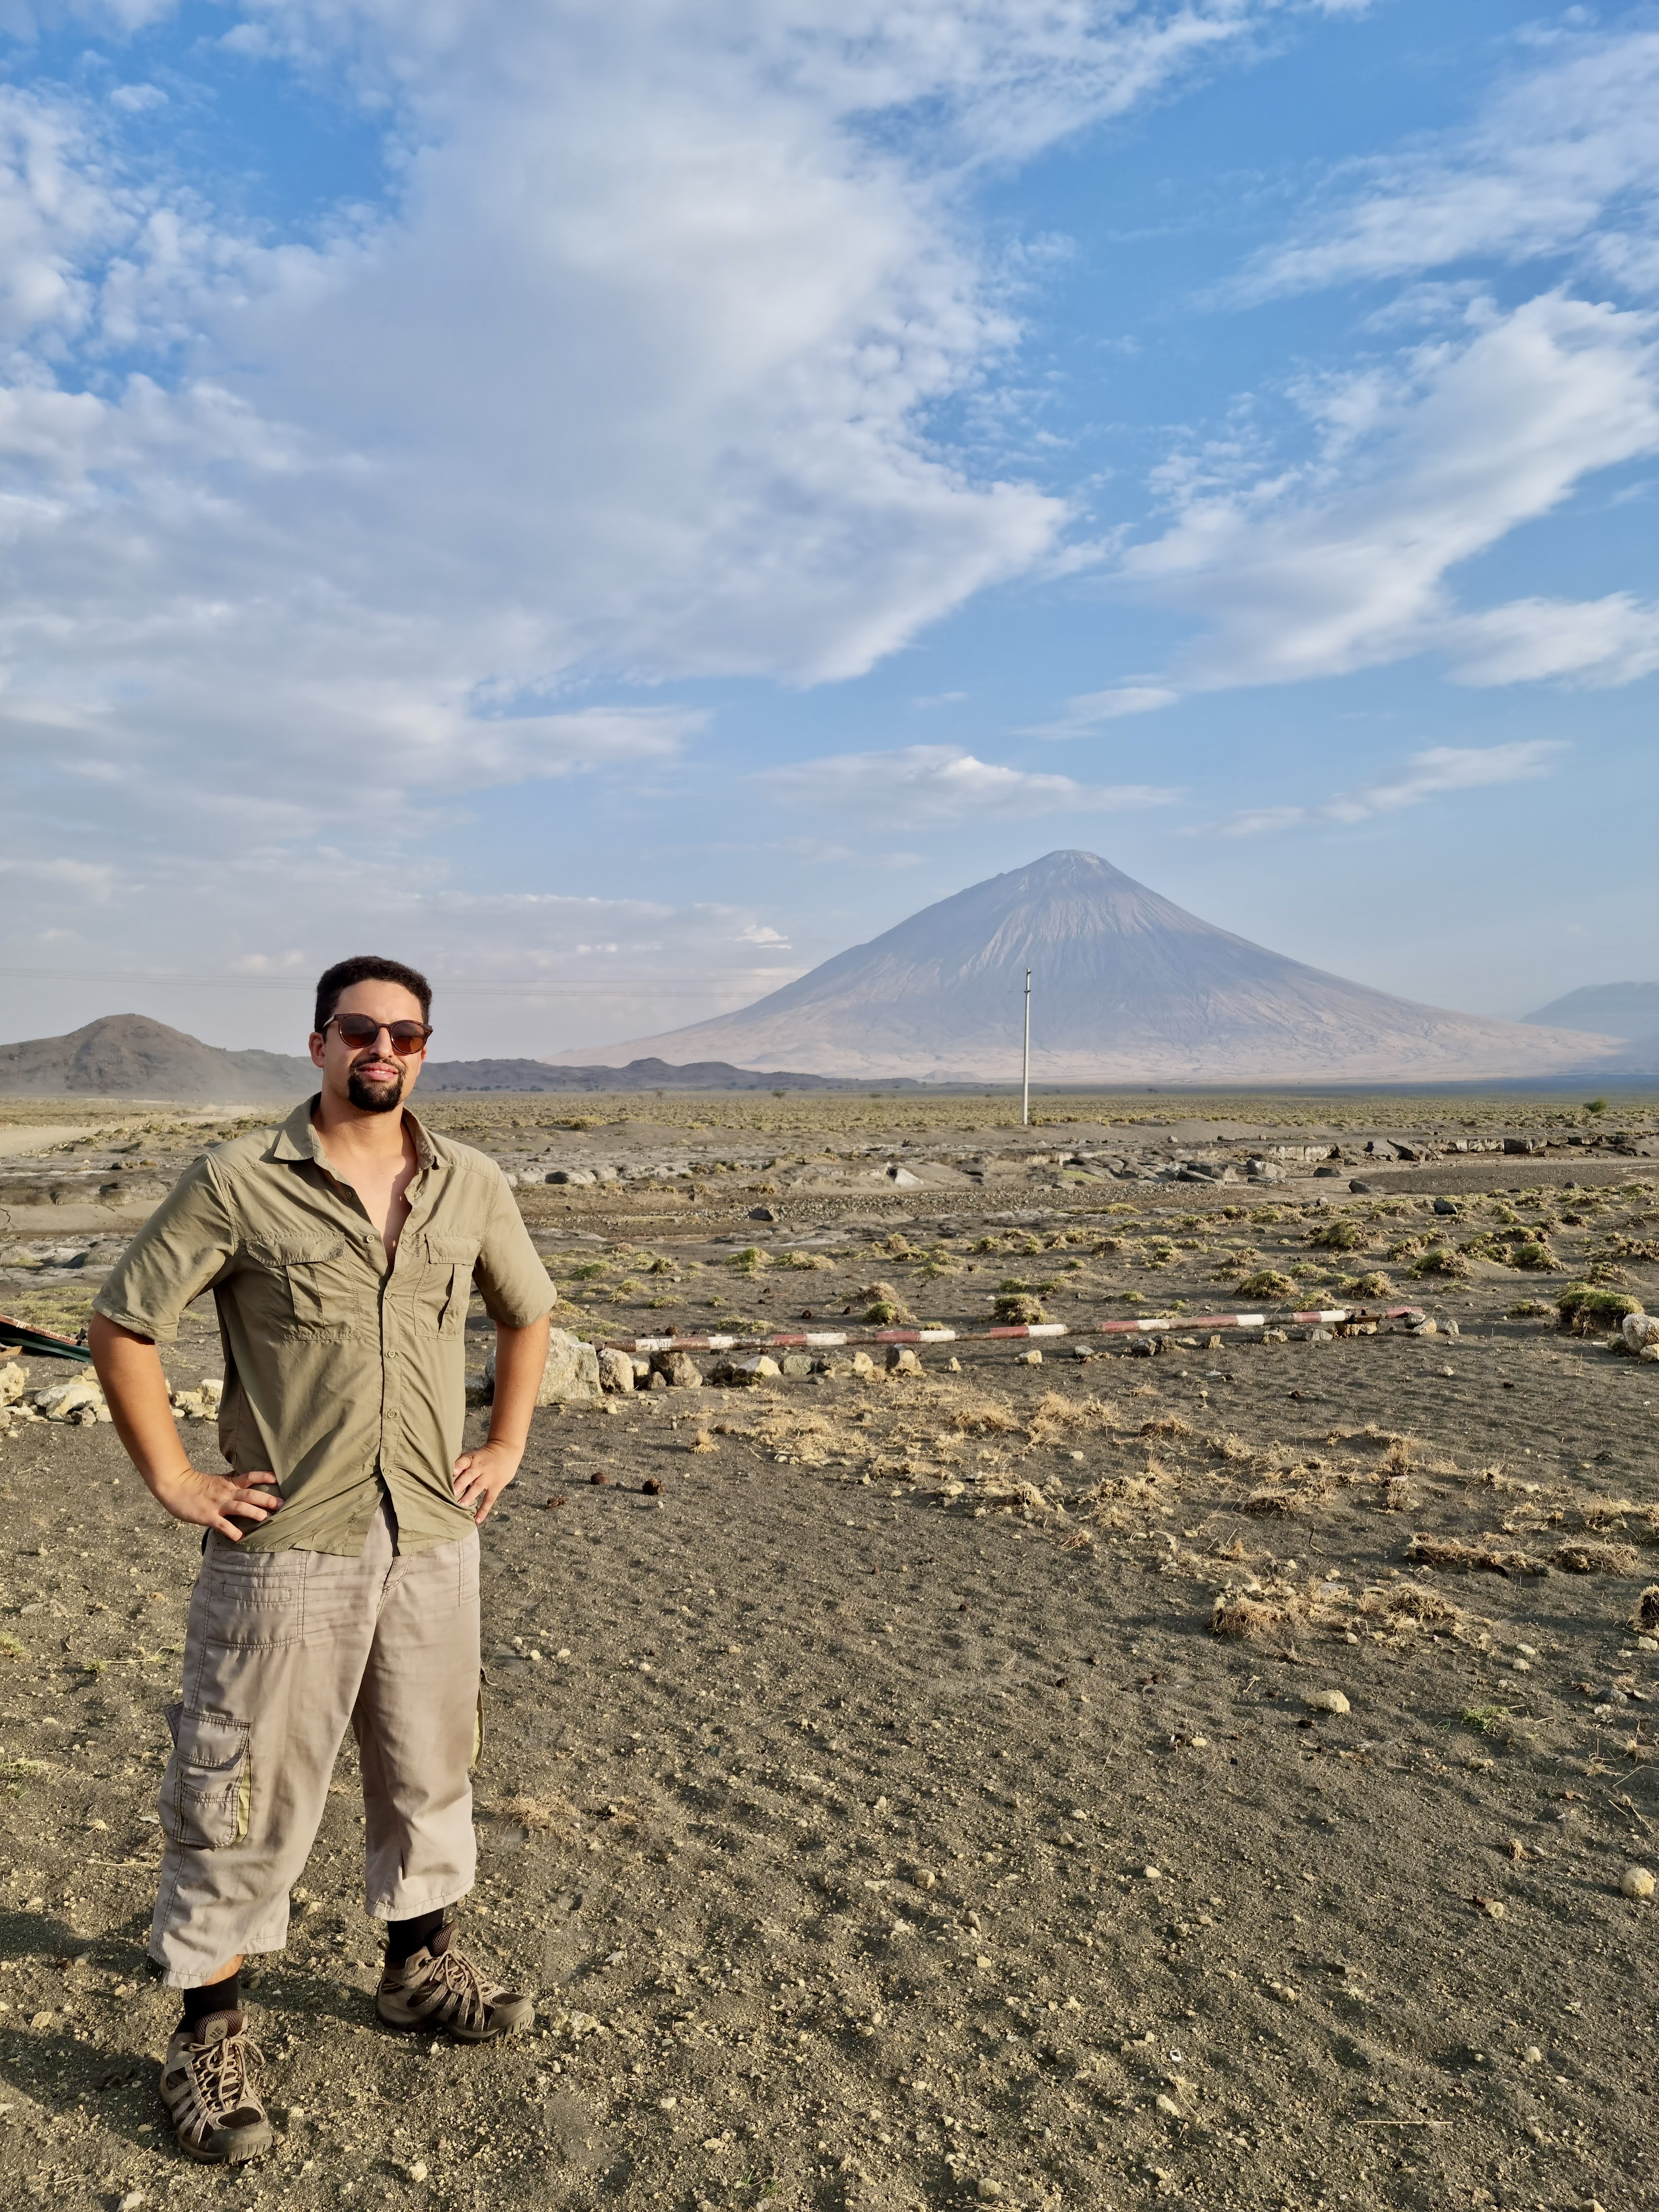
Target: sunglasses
[358, 1029]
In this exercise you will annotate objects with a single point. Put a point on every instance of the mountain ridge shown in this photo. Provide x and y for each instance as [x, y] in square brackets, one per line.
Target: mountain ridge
[1129, 988]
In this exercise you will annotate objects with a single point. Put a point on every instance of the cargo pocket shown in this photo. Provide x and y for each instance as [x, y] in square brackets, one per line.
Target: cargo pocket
[206, 1791]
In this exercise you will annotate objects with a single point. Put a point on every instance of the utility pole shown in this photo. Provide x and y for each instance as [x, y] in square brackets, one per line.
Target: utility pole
[1025, 1086]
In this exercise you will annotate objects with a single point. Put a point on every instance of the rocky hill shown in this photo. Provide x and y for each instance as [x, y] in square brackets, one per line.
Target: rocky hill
[1127, 987]
[129, 1056]
[1625, 1011]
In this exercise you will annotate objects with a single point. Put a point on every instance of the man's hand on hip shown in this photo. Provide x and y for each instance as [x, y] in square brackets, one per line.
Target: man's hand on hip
[205, 1499]
[482, 1475]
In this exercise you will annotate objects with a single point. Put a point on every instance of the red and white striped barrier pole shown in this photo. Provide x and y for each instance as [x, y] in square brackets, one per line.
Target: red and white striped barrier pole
[827, 1340]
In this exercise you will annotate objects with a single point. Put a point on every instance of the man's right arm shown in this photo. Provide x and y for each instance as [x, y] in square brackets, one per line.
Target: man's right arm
[187, 1243]
[129, 1369]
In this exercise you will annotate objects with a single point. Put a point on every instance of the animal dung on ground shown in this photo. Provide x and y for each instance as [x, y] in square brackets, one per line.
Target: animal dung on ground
[651, 1486]
[598, 1478]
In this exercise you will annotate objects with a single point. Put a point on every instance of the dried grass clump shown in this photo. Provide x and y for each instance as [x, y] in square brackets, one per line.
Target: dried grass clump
[1441, 1260]
[1469, 1559]
[884, 1308]
[1057, 1415]
[1398, 1496]
[1585, 1559]
[1267, 1283]
[1373, 1285]
[1022, 1497]
[1399, 1455]
[983, 1416]
[1166, 1425]
[1017, 1302]
[547, 1816]
[1238, 1614]
[1644, 1619]
[818, 1262]
[1229, 1446]
[1412, 1601]
[1602, 1512]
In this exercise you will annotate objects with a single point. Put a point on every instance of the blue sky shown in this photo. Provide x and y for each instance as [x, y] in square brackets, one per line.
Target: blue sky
[616, 505]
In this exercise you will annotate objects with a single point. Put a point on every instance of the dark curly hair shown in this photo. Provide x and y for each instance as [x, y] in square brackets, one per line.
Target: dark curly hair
[367, 968]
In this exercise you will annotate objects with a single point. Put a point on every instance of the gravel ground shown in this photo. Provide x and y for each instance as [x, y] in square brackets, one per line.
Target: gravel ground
[875, 1810]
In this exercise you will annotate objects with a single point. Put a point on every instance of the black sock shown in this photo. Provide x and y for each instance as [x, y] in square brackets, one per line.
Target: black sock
[403, 1938]
[217, 1996]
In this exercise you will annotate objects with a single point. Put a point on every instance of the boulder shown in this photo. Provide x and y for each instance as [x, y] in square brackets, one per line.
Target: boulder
[14, 1380]
[743, 1371]
[796, 1366]
[1639, 1330]
[903, 1360]
[678, 1370]
[616, 1370]
[80, 1403]
[571, 1376]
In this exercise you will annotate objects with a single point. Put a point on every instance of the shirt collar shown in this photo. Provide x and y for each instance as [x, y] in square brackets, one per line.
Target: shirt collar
[297, 1138]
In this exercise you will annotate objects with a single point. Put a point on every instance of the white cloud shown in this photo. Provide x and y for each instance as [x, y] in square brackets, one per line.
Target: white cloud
[1565, 156]
[940, 784]
[1342, 563]
[1425, 775]
[1091, 710]
[1595, 643]
[633, 379]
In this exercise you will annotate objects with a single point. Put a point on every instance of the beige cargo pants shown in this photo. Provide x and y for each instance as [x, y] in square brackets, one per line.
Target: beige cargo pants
[283, 1650]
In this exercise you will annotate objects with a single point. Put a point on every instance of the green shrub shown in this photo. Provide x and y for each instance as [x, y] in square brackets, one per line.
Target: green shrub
[1373, 1285]
[1440, 1260]
[1340, 1236]
[1019, 1305]
[1267, 1283]
[1534, 1258]
[1585, 1307]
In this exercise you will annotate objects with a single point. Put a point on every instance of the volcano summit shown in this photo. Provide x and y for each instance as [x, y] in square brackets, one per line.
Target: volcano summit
[1126, 987]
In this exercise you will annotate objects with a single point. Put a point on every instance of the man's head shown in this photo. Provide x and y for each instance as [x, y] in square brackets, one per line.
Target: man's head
[366, 1070]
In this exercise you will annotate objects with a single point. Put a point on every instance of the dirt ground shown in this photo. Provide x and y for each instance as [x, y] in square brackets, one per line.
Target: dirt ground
[875, 1810]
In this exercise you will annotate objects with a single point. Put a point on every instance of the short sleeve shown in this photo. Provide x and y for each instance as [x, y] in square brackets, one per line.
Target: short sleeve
[183, 1248]
[511, 1279]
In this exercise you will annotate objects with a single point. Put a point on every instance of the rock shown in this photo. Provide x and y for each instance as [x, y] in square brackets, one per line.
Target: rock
[1327, 1701]
[678, 1370]
[1153, 1873]
[1168, 2106]
[902, 1179]
[418, 2171]
[1360, 1189]
[1532, 2056]
[571, 1376]
[1033, 1359]
[132, 2202]
[79, 1403]
[577, 1177]
[762, 1213]
[989, 2192]
[903, 1360]
[1639, 1330]
[743, 1371]
[650, 1487]
[796, 1366]
[1637, 1882]
[201, 1404]
[861, 1363]
[1447, 1206]
[14, 1380]
[616, 1370]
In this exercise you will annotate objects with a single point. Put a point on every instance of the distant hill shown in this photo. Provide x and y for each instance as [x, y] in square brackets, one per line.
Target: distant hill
[1127, 987]
[1625, 1011]
[129, 1056]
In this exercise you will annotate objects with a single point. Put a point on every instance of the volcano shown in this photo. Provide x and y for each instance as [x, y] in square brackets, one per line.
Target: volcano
[1126, 987]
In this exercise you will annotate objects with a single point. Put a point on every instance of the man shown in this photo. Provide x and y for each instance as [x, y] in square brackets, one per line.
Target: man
[339, 1576]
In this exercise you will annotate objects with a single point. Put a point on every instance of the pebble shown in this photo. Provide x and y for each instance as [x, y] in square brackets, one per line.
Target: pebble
[418, 2170]
[131, 2201]
[1327, 1701]
[1532, 2056]
[667, 2104]
[1637, 1882]
[1029, 1359]
[1168, 2107]
[1153, 1873]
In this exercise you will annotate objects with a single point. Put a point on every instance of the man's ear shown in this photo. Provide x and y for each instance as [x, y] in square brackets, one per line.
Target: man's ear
[318, 1048]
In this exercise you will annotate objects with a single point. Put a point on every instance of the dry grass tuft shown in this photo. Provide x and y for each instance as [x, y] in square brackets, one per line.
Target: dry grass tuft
[1583, 1559]
[1602, 1512]
[1166, 1425]
[983, 1416]
[1470, 1558]
[1236, 1614]
[1644, 1619]
[1229, 1446]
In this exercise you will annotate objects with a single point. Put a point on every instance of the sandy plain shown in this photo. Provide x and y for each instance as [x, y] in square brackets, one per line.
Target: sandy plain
[875, 1809]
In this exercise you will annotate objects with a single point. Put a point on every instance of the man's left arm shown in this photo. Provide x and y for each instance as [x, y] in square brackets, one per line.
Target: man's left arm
[518, 1298]
[482, 1475]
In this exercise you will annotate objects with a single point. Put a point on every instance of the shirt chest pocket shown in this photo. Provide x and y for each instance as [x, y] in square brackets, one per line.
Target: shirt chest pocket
[446, 1283]
[314, 1285]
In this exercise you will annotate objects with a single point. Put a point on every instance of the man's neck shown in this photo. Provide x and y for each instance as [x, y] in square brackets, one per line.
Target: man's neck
[351, 1134]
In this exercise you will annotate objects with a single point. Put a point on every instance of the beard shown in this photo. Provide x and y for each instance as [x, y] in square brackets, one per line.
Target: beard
[375, 1098]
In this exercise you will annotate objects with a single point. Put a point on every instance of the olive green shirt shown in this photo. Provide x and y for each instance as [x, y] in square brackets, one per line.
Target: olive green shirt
[344, 1370]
